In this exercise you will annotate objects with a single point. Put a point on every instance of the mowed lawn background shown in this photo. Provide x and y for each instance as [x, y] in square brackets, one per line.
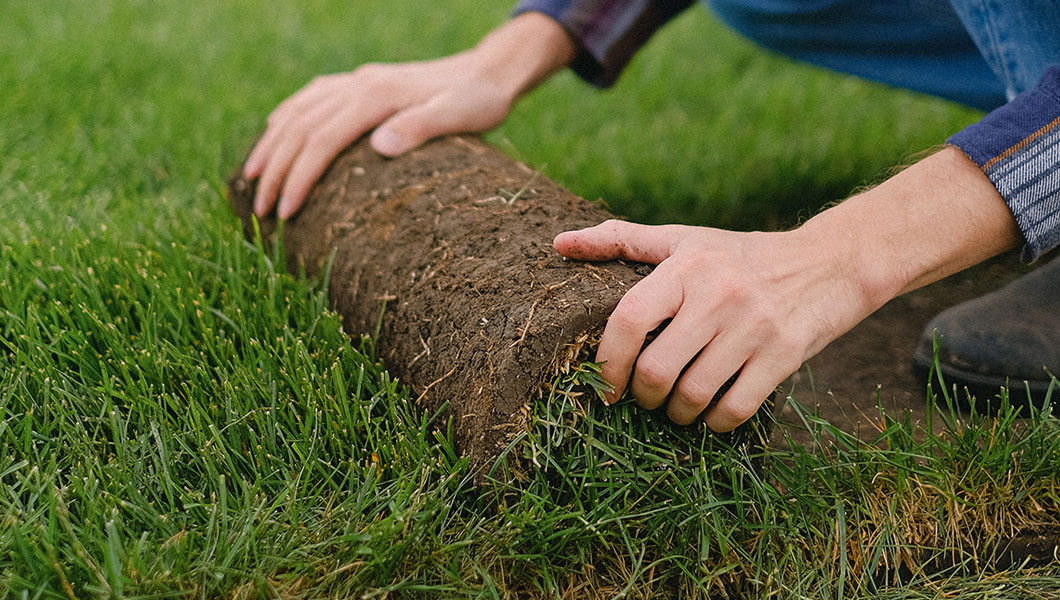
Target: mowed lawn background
[179, 418]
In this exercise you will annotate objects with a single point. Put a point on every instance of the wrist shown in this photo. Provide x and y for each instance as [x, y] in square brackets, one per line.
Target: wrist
[842, 235]
[523, 52]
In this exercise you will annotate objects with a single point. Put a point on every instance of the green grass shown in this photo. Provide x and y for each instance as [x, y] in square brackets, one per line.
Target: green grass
[179, 417]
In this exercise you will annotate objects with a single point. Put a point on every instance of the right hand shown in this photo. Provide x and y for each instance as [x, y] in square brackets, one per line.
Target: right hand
[407, 104]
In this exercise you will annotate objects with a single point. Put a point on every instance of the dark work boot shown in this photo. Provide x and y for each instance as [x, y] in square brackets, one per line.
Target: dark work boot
[1007, 337]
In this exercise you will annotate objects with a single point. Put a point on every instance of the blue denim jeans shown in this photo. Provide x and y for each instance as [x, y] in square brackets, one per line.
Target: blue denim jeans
[978, 52]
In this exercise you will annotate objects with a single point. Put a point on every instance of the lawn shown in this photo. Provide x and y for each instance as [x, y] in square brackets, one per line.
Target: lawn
[180, 419]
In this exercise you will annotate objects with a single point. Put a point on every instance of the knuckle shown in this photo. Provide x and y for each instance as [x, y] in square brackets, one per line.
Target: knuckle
[320, 81]
[369, 69]
[371, 75]
[653, 374]
[736, 289]
[763, 319]
[290, 126]
[742, 410]
[612, 226]
[771, 329]
[631, 312]
[695, 392]
[319, 140]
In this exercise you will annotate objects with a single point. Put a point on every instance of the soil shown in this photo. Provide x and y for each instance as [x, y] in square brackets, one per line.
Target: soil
[872, 363]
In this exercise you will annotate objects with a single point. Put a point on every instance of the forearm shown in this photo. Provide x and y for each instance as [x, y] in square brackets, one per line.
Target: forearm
[524, 51]
[607, 33]
[933, 219]
[759, 304]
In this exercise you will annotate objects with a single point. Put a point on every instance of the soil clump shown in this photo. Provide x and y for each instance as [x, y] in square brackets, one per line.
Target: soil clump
[447, 251]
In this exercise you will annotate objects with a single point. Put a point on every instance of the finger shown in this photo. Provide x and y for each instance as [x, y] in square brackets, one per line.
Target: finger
[654, 299]
[441, 115]
[278, 121]
[290, 140]
[722, 357]
[263, 148]
[614, 239]
[316, 91]
[661, 363]
[406, 130]
[758, 379]
[320, 149]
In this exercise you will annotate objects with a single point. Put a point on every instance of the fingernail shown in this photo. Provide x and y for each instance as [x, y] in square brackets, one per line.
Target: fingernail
[387, 141]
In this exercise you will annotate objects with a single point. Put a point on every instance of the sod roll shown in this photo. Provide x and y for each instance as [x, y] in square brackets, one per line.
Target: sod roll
[452, 245]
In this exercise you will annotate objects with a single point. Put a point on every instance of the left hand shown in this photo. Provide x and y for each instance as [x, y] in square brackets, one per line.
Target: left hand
[755, 303]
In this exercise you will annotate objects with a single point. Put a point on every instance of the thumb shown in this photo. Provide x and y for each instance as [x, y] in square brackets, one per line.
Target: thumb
[408, 129]
[616, 239]
[389, 142]
[415, 125]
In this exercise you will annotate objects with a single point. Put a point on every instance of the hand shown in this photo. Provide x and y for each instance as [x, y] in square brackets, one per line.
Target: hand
[754, 303]
[762, 303]
[407, 104]
[412, 102]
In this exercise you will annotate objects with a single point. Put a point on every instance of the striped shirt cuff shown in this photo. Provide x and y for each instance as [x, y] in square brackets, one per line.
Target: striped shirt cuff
[1018, 148]
[608, 32]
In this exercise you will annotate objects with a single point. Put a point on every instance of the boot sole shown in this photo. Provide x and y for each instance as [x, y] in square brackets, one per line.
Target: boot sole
[984, 388]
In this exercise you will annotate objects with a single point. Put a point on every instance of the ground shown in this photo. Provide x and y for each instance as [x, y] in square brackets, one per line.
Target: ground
[871, 364]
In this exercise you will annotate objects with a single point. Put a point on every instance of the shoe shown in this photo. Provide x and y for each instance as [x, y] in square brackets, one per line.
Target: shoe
[1009, 337]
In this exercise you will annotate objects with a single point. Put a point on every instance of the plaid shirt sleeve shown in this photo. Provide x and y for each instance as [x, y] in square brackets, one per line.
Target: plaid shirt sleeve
[608, 32]
[1018, 148]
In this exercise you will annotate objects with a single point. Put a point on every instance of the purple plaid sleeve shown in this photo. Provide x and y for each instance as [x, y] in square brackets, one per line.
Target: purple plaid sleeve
[608, 32]
[1018, 148]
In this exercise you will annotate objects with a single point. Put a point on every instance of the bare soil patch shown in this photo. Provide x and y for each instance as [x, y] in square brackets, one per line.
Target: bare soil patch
[871, 364]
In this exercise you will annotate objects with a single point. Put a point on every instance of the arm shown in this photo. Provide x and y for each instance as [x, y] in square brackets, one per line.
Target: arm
[608, 32]
[473, 91]
[762, 303]
[1017, 147]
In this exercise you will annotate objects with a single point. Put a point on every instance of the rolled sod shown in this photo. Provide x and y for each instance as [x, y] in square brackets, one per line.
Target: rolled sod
[447, 253]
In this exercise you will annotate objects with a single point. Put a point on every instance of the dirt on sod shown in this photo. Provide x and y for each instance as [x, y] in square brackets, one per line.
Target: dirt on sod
[444, 257]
